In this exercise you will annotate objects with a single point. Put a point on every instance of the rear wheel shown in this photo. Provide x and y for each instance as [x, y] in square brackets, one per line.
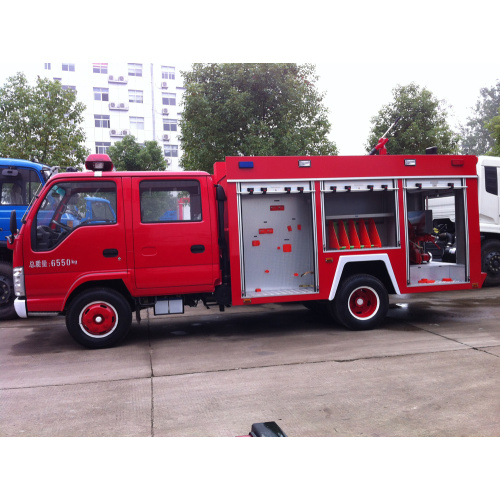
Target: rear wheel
[361, 302]
[99, 317]
[7, 310]
[490, 261]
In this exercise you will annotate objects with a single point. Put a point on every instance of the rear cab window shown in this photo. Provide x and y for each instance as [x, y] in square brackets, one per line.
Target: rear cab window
[170, 201]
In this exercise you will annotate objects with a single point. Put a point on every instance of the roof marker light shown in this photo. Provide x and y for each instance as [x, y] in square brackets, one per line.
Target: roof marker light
[99, 163]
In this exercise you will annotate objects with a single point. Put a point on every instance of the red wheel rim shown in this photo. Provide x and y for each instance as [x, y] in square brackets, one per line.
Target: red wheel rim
[364, 303]
[98, 319]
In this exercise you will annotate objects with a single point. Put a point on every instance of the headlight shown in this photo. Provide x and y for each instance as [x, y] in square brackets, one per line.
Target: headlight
[18, 275]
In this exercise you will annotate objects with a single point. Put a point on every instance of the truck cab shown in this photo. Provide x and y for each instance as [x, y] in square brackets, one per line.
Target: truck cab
[142, 235]
[488, 170]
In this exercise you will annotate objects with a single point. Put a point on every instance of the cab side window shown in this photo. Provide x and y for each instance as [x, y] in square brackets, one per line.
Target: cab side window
[491, 180]
[69, 206]
[170, 201]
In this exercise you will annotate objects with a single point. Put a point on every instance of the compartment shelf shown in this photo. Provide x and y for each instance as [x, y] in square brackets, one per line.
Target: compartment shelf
[359, 216]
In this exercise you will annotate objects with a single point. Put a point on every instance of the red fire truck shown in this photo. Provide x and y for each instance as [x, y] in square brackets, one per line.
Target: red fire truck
[338, 234]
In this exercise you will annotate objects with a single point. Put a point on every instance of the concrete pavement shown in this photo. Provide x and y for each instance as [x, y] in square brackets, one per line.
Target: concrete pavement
[432, 370]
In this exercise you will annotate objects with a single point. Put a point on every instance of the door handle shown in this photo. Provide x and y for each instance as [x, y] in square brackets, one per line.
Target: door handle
[110, 252]
[197, 249]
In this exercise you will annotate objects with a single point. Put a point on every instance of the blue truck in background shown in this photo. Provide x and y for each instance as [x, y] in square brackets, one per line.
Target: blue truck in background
[20, 180]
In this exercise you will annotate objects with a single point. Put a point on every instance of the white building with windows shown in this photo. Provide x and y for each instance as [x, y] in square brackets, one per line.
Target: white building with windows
[139, 99]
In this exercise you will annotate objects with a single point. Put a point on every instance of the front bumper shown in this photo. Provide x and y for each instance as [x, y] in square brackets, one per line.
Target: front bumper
[20, 307]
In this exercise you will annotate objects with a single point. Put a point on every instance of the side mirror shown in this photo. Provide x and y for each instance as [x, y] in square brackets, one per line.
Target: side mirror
[13, 223]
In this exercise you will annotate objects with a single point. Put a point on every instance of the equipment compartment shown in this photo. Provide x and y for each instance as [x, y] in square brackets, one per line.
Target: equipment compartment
[277, 240]
[437, 231]
[359, 214]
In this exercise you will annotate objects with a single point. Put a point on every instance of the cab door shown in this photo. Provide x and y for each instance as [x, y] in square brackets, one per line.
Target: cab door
[68, 245]
[173, 234]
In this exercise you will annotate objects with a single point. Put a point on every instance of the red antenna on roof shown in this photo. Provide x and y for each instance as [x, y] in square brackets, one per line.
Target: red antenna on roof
[380, 147]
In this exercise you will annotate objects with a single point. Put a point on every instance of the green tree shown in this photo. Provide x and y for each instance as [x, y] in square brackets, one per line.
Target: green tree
[493, 126]
[476, 138]
[423, 123]
[250, 110]
[128, 154]
[41, 123]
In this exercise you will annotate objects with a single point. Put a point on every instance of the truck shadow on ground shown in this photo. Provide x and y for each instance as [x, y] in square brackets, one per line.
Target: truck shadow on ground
[49, 335]
[46, 338]
[276, 323]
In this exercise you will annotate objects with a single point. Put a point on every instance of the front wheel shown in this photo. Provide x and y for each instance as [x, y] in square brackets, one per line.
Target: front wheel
[361, 302]
[490, 262]
[98, 318]
[7, 310]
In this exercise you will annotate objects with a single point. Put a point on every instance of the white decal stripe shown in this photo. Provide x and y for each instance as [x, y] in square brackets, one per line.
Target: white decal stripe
[344, 259]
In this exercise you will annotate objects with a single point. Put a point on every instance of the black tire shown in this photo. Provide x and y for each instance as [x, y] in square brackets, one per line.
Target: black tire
[361, 302]
[98, 318]
[490, 262]
[7, 297]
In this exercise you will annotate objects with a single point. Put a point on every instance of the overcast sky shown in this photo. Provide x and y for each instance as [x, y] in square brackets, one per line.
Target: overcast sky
[355, 92]
[361, 50]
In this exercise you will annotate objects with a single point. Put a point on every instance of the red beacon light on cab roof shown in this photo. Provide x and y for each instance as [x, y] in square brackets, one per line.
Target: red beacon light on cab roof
[99, 163]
